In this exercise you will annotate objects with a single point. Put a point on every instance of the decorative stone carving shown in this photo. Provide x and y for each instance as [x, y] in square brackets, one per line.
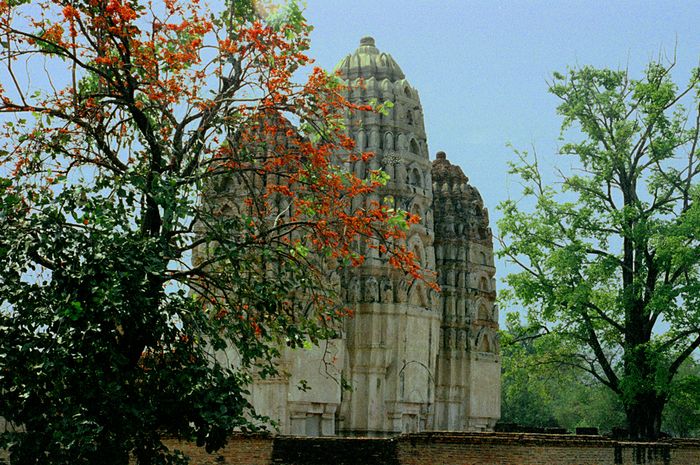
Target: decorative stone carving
[402, 292]
[400, 352]
[360, 169]
[371, 293]
[401, 143]
[387, 290]
[388, 141]
[461, 339]
[374, 139]
[449, 340]
[360, 141]
[483, 313]
[354, 291]
[462, 237]
[451, 277]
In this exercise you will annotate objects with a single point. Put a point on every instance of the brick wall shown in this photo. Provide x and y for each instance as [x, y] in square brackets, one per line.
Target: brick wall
[334, 451]
[540, 449]
[447, 449]
[240, 450]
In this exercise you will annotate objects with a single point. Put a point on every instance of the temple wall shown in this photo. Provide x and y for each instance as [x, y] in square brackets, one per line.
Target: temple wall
[447, 449]
[390, 366]
[484, 400]
[304, 397]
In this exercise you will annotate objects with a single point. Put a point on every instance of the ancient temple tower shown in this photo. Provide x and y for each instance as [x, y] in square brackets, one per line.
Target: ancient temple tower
[415, 359]
[468, 363]
[392, 341]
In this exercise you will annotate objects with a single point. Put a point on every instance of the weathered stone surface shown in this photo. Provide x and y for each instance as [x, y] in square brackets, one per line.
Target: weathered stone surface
[416, 360]
[468, 367]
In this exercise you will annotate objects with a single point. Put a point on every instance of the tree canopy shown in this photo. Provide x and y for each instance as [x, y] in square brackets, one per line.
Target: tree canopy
[120, 283]
[542, 393]
[610, 251]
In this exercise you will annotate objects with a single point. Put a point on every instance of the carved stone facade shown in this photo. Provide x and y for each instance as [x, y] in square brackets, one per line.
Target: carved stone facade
[468, 365]
[416, 360]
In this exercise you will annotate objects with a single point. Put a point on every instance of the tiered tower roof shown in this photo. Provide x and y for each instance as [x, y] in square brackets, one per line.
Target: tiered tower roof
[368, 61]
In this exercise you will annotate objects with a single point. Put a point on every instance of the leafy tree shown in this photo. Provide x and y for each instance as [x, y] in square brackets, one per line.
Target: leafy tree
[539, 393]
[610, 257]
[682, 414]
[120, 286]
[527, 389]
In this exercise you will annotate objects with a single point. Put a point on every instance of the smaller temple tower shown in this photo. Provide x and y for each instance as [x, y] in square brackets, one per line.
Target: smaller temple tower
[468, 366]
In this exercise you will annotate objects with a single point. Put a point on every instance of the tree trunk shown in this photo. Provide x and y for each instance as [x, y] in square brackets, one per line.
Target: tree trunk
[644, 416]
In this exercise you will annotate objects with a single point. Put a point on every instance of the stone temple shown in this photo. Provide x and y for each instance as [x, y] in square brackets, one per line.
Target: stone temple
[415, 359]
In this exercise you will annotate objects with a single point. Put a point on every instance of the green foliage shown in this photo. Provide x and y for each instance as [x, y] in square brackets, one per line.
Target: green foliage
[73, 338]
[379, 177]
[382, 108]
[527, 394]
[541, 391]
[133, 304]
[614, 251]
[682, 414]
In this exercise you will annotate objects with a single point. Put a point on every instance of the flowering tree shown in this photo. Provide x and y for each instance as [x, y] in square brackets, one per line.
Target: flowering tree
[121, 282]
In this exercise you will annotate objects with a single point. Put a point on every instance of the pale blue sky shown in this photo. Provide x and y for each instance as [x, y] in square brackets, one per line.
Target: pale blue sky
[481, 67]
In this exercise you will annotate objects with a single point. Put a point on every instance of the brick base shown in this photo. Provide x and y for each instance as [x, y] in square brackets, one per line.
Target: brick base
[438, 448]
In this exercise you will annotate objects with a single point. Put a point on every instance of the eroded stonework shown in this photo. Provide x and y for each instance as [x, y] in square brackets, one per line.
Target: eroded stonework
[417, 360]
